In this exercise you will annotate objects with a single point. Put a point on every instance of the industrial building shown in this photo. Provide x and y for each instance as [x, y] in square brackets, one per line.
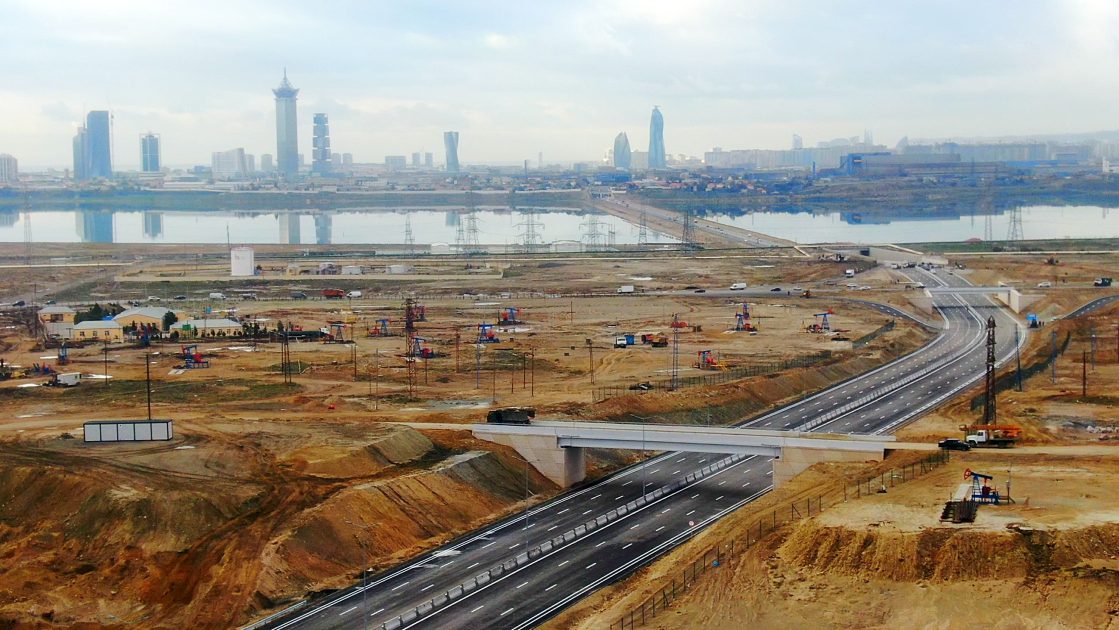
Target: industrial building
[143, 316]
[99, 330]
[57, 320]
[207, 328]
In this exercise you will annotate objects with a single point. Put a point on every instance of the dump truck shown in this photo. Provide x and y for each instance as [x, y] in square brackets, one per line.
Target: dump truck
[333, 294]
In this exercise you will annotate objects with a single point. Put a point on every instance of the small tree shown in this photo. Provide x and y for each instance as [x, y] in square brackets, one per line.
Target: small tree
[168, 319]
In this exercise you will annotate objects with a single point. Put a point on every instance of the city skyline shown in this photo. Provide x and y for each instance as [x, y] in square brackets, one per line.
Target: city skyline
[496, 75]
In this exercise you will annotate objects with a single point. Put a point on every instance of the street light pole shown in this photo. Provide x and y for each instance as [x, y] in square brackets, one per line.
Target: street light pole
[364, 572]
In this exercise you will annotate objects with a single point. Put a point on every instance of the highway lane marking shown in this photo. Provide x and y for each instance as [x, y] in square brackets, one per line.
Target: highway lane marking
[347, 610]
[653, 472]
[745, 484]
[447, 565]
[563, 563]
[489, 545]
[473, 565]
[660, 528]
[478, 608]
[636, 526]
[601, 543]
[694, 496]
[665, 510]
[720, 497]
[596, 496]
[585, 513]
[552, 527]
[620, 496]
[722, 482]
[401, 585]
[627, 483]
[525, 584]
[549, 588]
[506, 612]
[676, 472]
[681, 459]
[426, 587]
[515, 546]
[690, 513]
[627, 546]
[376, 611]
[590, 565]
[562, 511]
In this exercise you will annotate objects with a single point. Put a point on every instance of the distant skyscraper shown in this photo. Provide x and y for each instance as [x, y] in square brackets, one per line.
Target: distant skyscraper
[622, 153]
[798, 142]
[336, 160]
[266, 162]
[868, 136]
[287, 141]
[656, 140]
[250, 162]
[416, 159]
[81, 155]
[9, 168]
[429, 160]
[347, 159]
[320, 145]
[149, 153]
[540, 160]
[396, 162]
[100, 142]
[450, 141]
[230, 163]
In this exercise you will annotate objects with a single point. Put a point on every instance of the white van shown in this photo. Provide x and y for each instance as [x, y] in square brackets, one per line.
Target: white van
[738, 286]
[217, 296]
[354, 295]
[1044, 285]
[850, 273]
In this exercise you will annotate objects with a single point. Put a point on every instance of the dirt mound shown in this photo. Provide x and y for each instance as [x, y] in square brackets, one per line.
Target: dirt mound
[318, 549]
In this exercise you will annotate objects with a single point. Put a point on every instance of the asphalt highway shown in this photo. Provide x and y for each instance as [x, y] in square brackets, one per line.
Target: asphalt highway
[876, 402]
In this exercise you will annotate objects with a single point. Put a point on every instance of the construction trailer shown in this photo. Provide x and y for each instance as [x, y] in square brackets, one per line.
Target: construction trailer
[486, 334]
[66, 379]
[192, 358]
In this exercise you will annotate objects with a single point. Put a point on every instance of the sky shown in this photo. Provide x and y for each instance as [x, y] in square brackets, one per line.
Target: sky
[562, 78]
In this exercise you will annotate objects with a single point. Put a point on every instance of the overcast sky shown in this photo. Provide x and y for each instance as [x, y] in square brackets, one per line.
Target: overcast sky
[520, 77]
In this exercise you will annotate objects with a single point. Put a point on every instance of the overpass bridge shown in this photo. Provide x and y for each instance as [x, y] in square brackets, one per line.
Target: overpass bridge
[1008, 295]
[558, 449]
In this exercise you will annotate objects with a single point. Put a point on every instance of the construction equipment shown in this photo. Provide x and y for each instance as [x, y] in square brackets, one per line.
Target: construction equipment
[624, 341]
[336, 334]
[659, 340]
[743, 323]
[820, 326]
[510, 315]
[333, 294]
[63, 354]
[66, 379]
[987, 431]
[192, 358]
[486, 334]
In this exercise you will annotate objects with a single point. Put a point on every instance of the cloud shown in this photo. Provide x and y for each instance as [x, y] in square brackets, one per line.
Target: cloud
[500, 42]
[60, 112]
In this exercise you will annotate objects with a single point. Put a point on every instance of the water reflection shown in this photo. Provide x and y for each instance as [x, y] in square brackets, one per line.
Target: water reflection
[94, 226]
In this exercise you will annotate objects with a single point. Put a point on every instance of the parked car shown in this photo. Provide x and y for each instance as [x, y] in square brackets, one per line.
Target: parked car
[180, 298]
[49, 302]
[298, 295]
[154, 298]
[775, 289]
[19, 303]
[701, 290]
[1044, 285]
[952, 444]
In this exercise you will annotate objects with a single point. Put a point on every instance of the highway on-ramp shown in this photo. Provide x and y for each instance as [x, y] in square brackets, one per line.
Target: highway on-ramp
[876, 402]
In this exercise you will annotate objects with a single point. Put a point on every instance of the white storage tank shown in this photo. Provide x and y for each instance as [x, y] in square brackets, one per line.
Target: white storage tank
[241, 262]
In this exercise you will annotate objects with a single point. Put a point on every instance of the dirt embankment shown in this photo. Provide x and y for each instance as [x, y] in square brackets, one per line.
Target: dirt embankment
[1050, 560]
[203, 531]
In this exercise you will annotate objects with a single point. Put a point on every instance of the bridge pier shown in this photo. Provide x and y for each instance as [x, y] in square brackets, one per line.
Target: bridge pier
[795, 460]
[565, 466]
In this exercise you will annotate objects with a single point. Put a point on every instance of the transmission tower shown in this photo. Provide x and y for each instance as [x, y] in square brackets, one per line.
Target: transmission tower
[460, 238]
[687, 238]
[409, 240]
[988, 230]
[1014, 231]
[530, 239]
[989, 397]
[472, 245]
[642, 230]
[612, 237]
[676, 326]
[592, 234]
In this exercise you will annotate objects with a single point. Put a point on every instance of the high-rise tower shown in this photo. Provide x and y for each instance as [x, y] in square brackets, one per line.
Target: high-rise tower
[450, 141]
[98, 145]
[81, 155]
[149, 153]
[656, 140]
[622, 152]
[321, 161]
[287, 142]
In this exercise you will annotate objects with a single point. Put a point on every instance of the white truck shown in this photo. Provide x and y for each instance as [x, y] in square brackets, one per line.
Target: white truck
[738, 286]
[217, 296]
[68, 379]
[625, 288]
[850, 273]
[354, 295]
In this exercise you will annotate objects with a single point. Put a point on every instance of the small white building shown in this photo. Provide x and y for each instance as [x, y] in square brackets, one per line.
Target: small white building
[442, 249]
[242, 262]
[351, 270]
[98, 330]
[398, 269]
[567, 247]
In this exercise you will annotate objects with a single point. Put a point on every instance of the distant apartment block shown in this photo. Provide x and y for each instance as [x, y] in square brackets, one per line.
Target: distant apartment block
[230, 163]
[150, 158]
[9, 168]
[429, 160]
[415, 159]
[266, 162]
[396, 162]
[347, 159]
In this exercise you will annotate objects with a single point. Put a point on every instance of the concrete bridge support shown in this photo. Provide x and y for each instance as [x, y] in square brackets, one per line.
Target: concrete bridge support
[794, 461]
[565, 466]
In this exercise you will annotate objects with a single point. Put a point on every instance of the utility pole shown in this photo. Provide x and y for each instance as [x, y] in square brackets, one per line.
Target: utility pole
[105, 350]
[353, 355]
[1053, 359]
[1084, 374]
[590, 349]
[1093, 347]
[989, 397]
[148, 373]
[1018, 357]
